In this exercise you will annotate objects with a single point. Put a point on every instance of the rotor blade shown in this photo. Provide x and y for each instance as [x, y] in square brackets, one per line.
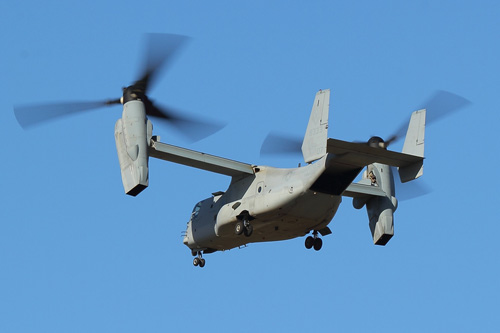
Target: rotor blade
[30, 115]
[280, 144]
[409, 190]
[439, 105]
[443, 103]
[192, 128]
[160, 50]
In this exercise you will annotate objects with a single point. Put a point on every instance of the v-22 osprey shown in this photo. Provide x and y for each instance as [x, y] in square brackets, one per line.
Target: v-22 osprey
[266, 204]
[262, 203]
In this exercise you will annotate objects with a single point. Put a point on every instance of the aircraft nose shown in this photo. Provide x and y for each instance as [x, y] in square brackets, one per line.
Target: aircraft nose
[188, 235]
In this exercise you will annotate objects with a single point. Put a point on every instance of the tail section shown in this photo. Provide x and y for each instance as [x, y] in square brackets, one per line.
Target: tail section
[414, 145]
[315, 140]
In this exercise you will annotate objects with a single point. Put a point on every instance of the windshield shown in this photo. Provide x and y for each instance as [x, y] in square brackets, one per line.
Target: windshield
[196, 210]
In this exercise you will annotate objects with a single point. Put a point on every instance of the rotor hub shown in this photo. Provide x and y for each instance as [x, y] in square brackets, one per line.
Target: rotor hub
[132, 93]
[377, 142]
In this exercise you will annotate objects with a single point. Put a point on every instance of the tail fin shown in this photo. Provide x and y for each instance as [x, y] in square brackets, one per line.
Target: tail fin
[315, 140]
[414, 145]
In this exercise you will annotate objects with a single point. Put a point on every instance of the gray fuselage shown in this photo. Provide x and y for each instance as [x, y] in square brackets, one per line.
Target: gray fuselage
[279, 202]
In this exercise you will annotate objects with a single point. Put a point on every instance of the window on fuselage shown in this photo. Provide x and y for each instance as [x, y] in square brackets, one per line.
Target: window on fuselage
[196, 210]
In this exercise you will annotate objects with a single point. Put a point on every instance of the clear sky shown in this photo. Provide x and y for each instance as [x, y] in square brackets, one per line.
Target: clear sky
[78, 255]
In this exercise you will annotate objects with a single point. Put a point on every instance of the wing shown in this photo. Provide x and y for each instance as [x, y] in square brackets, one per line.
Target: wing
[199, 160]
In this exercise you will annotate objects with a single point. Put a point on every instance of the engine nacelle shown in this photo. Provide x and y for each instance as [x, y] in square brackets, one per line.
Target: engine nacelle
[380, 209]
[132, 135]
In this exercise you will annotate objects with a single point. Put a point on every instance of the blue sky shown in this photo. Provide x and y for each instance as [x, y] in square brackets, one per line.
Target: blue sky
[78, 255]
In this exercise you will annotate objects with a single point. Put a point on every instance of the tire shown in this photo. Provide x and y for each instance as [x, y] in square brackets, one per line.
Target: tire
[202, 262]
[309, 242]
[248, 230]
[196, 261]
[318, 243]
[239, 228]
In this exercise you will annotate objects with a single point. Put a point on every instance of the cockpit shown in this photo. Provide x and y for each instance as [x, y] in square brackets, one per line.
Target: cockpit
[196, 211]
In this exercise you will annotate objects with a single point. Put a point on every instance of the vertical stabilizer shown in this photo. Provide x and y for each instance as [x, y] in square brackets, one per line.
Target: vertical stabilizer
[314, 144]
[414, 145]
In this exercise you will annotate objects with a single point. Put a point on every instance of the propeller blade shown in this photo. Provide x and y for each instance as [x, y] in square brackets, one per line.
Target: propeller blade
[192, 128]
[160, 51]
[31, 115]
[409, 190]
[439, 105]
[443, 103]
[280, 144]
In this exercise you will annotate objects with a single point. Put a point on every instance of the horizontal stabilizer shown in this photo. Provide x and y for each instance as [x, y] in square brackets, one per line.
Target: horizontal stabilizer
[360, 154]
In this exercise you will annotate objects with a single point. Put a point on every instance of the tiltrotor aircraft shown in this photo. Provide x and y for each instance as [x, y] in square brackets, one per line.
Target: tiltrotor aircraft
[262, 203]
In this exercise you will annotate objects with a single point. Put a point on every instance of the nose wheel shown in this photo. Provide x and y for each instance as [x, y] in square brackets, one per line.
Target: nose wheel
[314, 242]
[199, 261]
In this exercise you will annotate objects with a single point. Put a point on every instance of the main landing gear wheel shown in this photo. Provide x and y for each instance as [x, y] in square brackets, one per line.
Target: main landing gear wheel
[248, 230]
[318, 243]
[199, 261]
[309, 242]
[314, 242]
[239, 228]
[243, 227]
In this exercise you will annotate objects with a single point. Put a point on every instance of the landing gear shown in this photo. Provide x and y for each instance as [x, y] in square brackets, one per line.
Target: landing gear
[314, 241]
[239, 227]
[199, 261]
[309, 242]
[248, 230]
[243, 227]
[318, 243]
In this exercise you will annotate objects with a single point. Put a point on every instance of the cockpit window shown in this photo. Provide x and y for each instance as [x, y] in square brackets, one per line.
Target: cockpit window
[196, 210]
